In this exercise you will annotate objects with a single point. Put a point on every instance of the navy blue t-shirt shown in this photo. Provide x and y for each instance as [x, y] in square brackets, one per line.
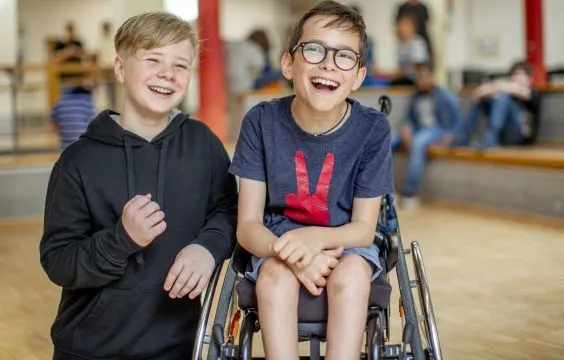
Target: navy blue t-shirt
[312, 180]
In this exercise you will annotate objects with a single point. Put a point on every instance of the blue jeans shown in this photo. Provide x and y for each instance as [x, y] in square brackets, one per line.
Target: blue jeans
[396, 140]
[418, 157]
[505, 120]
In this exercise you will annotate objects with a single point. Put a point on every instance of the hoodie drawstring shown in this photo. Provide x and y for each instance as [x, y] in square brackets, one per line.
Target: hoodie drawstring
[161, 172]
[130, 166]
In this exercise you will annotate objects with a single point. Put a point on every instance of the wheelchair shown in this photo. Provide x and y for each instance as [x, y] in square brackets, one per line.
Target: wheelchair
[237, 303]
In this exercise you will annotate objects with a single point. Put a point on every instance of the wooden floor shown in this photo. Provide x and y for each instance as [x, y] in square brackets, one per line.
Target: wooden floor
[497, 287]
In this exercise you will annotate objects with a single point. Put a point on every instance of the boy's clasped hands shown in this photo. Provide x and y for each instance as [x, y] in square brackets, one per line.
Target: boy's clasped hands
[303, 252]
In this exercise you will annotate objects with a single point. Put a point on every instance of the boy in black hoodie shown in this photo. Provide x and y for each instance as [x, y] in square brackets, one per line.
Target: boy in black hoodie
[139, 210]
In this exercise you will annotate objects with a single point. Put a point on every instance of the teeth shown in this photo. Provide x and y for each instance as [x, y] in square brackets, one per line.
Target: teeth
[160, 90]
[325, 82]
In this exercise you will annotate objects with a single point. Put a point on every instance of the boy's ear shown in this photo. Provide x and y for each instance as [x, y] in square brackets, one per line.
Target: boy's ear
[360, 75]
[286, 65]
[119, 69]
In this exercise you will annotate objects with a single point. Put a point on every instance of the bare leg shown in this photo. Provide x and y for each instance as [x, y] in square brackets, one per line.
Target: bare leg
[348, 288]
[278, 293]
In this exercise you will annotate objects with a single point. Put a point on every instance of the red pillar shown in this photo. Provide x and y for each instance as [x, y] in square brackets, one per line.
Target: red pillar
[534, 39]
[211, 74]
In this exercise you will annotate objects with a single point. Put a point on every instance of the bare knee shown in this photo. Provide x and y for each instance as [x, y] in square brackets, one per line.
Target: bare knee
[351, 277]
[276, 277]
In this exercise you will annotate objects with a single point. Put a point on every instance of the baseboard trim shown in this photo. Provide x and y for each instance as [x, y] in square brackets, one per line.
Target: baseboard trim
[489, 212]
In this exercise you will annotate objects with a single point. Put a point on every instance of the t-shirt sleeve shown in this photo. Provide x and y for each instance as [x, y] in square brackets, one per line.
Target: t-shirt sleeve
[375, 175]
[248, 160]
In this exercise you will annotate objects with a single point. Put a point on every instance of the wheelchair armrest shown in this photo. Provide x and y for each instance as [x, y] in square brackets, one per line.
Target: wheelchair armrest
[386, 238]
[240, 259]
[388, 246]
[393, 252]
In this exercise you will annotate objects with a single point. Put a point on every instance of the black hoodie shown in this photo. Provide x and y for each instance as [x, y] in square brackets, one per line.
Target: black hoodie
[113, 305]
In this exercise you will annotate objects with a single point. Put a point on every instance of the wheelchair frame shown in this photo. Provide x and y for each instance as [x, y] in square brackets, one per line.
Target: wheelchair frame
[221, 342]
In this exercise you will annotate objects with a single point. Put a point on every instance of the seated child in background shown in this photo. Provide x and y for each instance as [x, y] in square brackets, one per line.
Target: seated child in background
[312, 169]
[512, 107]
[432, 114]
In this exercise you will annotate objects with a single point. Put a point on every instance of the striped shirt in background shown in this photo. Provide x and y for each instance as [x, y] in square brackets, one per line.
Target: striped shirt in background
[72, 113]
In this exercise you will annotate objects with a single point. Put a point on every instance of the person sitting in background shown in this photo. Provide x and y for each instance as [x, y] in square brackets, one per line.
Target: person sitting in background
[72, 113]
[432, 114]
[512, 107]
[411, 50]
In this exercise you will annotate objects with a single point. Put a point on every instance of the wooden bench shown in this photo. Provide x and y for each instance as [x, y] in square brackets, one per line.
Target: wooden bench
[533, 156]
[521, 181]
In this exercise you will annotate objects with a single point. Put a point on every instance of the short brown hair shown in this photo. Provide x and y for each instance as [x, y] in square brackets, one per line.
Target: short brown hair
[521, 66]
[342, 15]
[153, 30]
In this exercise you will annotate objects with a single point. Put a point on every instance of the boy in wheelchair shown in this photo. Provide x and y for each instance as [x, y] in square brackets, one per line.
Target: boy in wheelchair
[312, 169]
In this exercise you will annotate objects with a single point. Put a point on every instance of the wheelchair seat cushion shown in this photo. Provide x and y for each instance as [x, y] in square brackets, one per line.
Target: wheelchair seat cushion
[312, 309]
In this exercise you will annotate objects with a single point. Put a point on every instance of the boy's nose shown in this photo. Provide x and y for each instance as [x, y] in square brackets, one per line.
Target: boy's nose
[166, 72]
[329, 62]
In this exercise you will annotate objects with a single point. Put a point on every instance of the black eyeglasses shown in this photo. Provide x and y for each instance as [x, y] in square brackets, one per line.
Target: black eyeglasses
[314, 53]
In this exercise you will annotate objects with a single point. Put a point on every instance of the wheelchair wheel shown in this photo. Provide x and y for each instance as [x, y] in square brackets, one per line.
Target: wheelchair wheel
[407, 302]
[375, 336]
[433, 349]
[246, 336]
[227, 300]
[201, 337]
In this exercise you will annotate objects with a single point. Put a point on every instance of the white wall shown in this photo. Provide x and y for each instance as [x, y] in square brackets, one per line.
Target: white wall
[499, 19]
[553, 32]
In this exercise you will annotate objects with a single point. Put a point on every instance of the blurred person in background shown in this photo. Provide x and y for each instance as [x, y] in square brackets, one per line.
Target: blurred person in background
[72, 113]
[419, 12]
[411, 51]
[246, 62]
[431, 116]
[69, 49]
[269, 74]
[512, 109]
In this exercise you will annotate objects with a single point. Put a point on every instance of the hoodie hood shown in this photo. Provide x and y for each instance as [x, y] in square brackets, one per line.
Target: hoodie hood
[105, 129]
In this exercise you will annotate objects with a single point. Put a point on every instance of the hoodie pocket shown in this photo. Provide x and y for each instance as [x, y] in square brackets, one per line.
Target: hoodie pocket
[136, 322]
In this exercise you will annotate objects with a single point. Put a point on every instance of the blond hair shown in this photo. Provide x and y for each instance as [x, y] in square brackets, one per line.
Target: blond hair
[153, 30]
